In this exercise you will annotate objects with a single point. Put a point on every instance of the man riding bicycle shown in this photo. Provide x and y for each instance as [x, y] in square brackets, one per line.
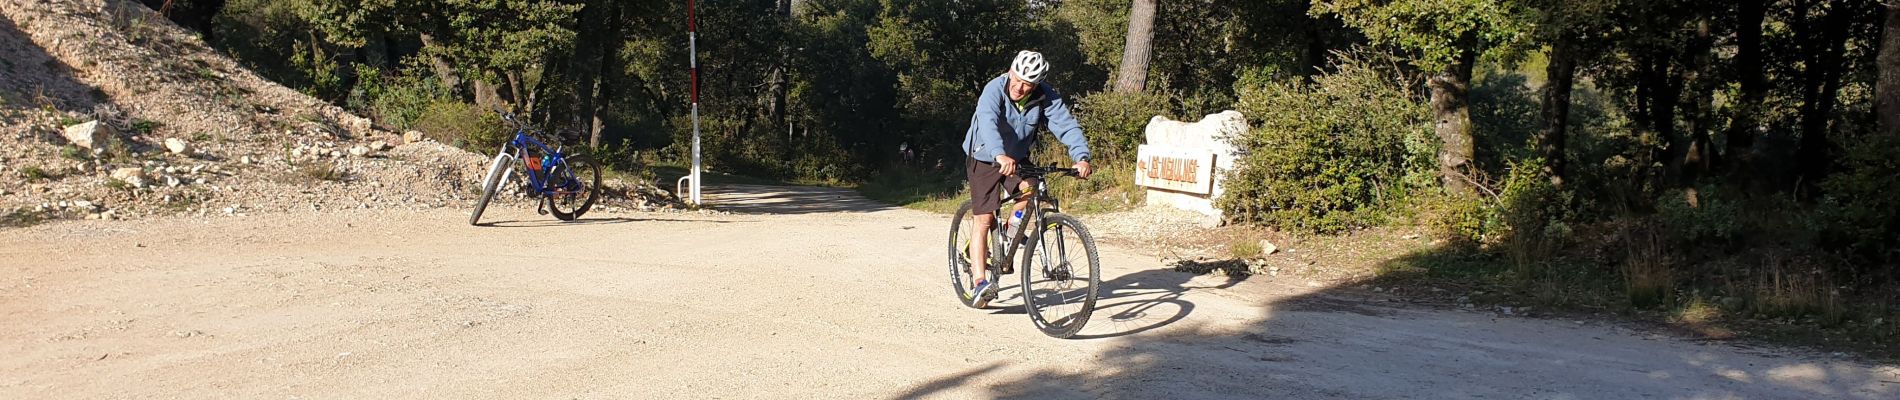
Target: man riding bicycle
[1001, 133]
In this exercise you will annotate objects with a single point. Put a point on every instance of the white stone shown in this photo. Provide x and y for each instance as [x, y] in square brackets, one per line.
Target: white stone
[244, 160]
[359, 151]
[127, 173]
[178, 146]
[1212, 134]
[380, 146]
[413, 137]
[1268, 248]
[90, 135]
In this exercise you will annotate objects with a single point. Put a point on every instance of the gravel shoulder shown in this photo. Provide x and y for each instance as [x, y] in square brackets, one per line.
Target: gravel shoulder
[784, 296]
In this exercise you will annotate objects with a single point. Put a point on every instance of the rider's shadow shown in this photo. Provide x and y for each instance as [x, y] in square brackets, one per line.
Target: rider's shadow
[1135, 303]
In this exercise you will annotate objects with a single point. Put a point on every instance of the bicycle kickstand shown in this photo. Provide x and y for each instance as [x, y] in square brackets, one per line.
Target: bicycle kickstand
[541, 207]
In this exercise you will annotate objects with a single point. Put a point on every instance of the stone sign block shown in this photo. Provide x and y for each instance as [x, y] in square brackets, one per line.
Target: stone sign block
[1183, 163]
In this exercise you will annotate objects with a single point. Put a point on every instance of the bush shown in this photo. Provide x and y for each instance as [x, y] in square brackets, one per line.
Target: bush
[1860, 214]
[463, 125]
[1536, 216]
[1118, 122]
[1705, 215]
[398, 101]
[1332, 154]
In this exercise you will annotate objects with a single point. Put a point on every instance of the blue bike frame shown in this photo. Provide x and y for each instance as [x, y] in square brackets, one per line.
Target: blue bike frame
[539, 179]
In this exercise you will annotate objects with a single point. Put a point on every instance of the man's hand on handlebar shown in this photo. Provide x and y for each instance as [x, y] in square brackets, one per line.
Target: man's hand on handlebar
[1082, 169]
[1005, 164]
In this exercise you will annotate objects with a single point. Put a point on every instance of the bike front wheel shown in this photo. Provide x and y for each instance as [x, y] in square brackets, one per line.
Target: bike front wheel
[576, 184]
[1062, 277]
[491, 183]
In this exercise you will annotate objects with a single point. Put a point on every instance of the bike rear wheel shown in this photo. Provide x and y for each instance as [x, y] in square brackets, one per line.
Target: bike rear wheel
[578, 180]
[1061, 277]
[963, 230]
[491, 183]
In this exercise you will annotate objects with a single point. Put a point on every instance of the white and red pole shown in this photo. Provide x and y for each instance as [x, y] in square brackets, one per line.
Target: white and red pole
[692, 40]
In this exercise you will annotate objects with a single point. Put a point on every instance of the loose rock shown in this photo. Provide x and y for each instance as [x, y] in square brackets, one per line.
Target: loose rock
[178, 146]
[90, 135]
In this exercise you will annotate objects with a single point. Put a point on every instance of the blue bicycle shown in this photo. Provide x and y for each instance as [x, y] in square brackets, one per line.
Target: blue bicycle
[567, 184]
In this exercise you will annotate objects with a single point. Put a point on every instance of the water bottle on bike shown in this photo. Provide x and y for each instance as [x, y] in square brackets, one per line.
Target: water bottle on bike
[1014, 229]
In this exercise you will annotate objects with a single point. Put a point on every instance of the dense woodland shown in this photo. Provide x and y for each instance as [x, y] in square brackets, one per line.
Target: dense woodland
[1674, 150]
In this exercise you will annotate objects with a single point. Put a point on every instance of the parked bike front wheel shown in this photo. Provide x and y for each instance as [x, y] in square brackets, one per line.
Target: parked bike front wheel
[497, 172]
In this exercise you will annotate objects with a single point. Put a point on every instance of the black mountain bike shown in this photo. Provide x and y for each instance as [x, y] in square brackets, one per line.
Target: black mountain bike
[1060, 268]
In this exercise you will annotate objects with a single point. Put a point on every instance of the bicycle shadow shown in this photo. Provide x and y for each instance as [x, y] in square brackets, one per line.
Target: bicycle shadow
[1131, 303]
[540, 223]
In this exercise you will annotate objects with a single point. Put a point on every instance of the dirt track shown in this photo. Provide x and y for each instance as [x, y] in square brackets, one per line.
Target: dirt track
[808, 291]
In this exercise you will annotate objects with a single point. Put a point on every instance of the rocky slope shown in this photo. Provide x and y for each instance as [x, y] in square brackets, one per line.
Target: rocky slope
[108, 110]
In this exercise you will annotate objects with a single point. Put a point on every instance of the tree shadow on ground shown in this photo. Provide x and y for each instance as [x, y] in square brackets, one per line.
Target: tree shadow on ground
[1268, 338]
[29, 76]
[787, 200]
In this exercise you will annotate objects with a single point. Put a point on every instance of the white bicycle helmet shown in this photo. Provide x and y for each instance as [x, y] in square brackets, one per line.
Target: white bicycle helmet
[1029, 66]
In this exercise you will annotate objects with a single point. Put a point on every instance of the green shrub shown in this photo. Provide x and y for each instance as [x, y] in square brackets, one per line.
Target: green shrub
[1331, 154]
[35, 173]
[463, 124]
[145, 126]
[1117, 122]
[74, 153]
[1701, 216]
[399, 101]
[1861, 214]
[1536, 217]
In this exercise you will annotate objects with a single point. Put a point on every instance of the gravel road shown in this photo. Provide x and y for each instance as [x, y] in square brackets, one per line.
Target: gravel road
[798, 292]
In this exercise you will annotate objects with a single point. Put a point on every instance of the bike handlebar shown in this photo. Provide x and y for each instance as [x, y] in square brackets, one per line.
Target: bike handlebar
[1031, 171]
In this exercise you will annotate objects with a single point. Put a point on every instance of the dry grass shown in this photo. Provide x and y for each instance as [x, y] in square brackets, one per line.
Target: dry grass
[1649, 280]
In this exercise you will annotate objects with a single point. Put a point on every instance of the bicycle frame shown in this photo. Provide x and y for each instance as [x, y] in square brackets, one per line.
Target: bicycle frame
[1033, 217]
[538, 181]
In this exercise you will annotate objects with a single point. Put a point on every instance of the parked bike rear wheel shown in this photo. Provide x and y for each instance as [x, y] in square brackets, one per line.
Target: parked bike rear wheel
[1061, 276]
[497, 171]
[579, 179]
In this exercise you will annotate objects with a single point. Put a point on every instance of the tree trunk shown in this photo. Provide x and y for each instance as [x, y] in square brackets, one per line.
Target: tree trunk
[1888, 99]
[1133, 76]
[1743, 126]
[514, 92]
[487, 95]
[1562, 73]
[1316, 50]
[1452, 110]
[1820, 93]
[1665, 90]
[443, 70]
[1698, 156]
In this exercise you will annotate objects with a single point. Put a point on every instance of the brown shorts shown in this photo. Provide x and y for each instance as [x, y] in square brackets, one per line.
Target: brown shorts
[987, 185]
